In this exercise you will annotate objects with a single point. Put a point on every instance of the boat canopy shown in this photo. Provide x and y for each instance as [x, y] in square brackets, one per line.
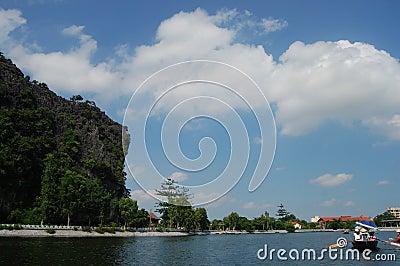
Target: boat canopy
[367, 224]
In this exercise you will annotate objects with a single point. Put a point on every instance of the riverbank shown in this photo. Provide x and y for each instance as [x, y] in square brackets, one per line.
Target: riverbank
[144, 233]
[78, 233]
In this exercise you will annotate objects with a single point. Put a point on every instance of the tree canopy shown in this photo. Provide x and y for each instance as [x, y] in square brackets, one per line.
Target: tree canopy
[176, 211]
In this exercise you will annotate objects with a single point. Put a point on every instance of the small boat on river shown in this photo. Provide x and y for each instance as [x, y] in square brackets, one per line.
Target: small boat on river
[362, 245]
[364, 237]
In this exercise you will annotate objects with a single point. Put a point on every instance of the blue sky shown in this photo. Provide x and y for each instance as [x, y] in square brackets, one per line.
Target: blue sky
[329, 69]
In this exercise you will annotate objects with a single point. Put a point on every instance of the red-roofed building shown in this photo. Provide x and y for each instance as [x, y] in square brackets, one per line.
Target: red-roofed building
[323, 220]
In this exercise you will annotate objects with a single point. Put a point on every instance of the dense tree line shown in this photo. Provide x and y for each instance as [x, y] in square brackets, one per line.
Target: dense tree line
[284, 221]
[264, 222]
[383, 216]
[68, 195]
[177, 212]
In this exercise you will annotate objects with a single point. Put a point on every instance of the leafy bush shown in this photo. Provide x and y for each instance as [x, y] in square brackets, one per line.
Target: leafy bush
[11, 227]
[114, 224]
[99, 230]
[31, 216]
[110, 230]
[86, 229]
[50, 231]
[17, 227]
[289, 227]
[15, 216]
[3, 227]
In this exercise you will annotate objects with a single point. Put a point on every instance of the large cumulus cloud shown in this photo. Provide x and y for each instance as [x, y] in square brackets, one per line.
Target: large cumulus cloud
[309, 84]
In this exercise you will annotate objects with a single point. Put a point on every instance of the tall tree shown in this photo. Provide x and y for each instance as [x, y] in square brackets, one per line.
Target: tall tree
[217, 224]
[262, 222]
[69, 201]
[175, 210]
[201, 219]
[49, 199]
[128, 209]
[130, 213]
[244, 224]
[232, 220]
[282, 213]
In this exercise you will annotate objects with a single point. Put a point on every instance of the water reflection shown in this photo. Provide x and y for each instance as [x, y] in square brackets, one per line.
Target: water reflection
[193, 250]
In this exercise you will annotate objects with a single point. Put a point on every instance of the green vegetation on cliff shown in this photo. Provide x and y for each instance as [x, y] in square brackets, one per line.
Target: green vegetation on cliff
[61, 161]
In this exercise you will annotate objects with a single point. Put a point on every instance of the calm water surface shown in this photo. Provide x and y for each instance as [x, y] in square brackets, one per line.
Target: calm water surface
[194, 250]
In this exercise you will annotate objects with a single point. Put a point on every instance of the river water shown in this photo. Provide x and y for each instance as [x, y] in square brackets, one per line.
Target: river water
[191, 250]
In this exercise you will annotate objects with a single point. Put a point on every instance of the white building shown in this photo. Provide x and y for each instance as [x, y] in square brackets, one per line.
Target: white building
[296, 225]
[315, 219]
[394, 211]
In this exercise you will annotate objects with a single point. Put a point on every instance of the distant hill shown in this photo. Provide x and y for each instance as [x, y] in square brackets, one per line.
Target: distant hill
[59, 159]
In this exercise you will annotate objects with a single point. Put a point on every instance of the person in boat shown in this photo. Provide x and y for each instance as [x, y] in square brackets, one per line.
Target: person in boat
[364, 234]
[397, 240]
[372, 236]
[357, 234]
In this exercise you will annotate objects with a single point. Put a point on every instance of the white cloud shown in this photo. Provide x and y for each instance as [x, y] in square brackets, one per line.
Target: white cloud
[196, 35]
[385, 125]
[271, 25]
[329, 203]
[225, 15]
[384, 182]
[311, 83]
[140, 196]
[329, 180]
[208, 197]
[250, 205]
[70, 71]
[253, 205]
[342, 81]
[178, 176]
[225, 200]
[182, 37]
[9, 21]
[73, 30]
[349, 203]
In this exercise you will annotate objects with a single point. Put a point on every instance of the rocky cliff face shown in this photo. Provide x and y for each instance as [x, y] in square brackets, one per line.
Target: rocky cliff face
[33, 123]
